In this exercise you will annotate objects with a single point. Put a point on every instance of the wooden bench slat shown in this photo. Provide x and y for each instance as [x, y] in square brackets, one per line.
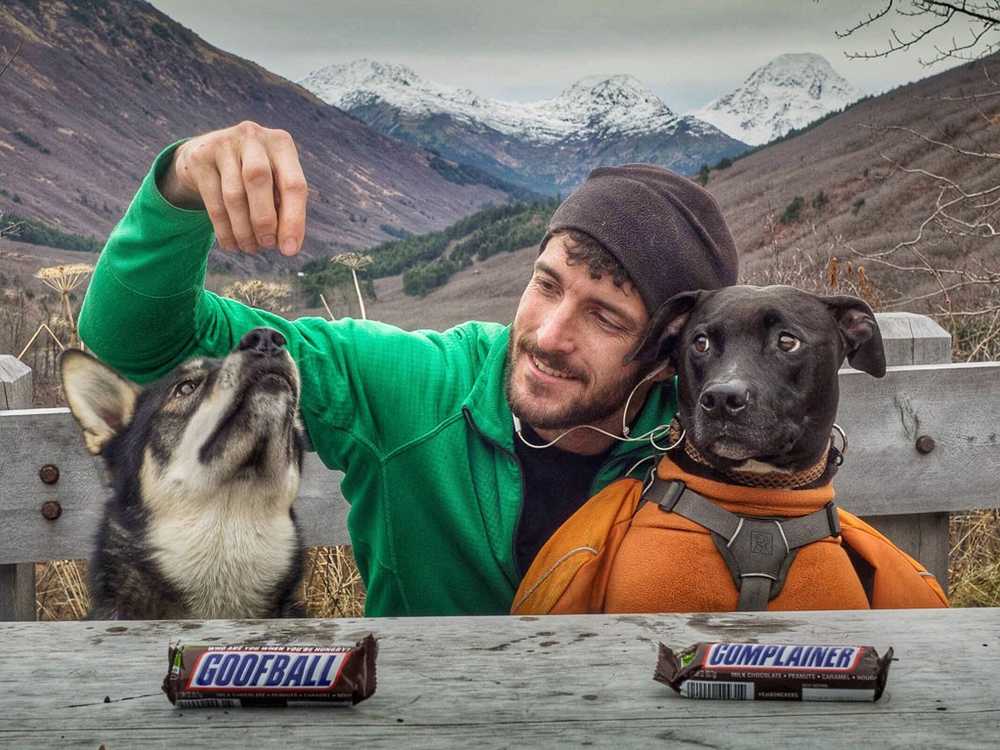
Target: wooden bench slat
[883, 473]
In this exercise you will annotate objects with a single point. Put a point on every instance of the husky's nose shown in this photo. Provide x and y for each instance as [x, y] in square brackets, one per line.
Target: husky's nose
[266, 341]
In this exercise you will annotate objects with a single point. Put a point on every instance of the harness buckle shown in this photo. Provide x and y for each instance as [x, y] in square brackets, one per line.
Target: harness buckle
[833, 518]
[671, 494]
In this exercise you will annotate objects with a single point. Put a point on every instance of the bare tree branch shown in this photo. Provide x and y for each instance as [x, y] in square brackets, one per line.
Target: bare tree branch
[983, 18]
[872, 18]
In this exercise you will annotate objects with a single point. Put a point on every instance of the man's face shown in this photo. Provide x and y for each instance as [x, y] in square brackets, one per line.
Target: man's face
[570, 337]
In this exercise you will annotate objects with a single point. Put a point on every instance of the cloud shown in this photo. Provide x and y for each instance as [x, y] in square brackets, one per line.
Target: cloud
[687, 52]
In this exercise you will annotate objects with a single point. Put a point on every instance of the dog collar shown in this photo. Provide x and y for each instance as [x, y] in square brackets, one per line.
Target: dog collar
[770, 480]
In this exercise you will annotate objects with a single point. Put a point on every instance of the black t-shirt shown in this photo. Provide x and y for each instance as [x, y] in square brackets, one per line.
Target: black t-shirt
[556, 484]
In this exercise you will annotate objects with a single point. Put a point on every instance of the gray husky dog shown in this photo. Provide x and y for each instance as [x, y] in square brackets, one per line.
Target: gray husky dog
[205, 465]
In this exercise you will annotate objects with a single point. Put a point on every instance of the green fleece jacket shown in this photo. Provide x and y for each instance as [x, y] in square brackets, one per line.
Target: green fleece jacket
[418, 422]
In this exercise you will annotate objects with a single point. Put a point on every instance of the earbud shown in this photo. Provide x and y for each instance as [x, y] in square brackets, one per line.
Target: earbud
[625, 428]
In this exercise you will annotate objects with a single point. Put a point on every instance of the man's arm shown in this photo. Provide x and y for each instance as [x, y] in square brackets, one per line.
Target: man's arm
[146, 309]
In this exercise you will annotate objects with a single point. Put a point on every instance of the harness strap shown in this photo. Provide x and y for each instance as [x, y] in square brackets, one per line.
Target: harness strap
[757, 551]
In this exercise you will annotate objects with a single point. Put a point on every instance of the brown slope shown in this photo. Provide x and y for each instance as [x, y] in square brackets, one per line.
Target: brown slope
[98, 88]
[843, 157]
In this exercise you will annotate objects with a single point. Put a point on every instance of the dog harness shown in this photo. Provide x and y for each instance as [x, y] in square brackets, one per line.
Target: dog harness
[757, 551]
[680, 542]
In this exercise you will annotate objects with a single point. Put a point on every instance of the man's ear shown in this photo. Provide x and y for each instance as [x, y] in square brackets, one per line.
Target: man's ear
[102, 401]
[664, 329]
[860, 333]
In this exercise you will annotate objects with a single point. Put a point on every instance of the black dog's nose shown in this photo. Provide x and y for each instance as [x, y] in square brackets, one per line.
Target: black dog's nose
[265, 341]
[732, 397]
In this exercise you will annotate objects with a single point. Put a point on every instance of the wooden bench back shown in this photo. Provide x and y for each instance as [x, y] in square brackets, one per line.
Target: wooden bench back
[52, 491]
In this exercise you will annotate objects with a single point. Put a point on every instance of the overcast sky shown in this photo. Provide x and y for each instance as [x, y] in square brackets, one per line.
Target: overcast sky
[687, 52]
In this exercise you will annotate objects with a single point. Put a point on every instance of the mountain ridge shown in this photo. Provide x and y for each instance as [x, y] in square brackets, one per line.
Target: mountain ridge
[549, 145]
[99, 88]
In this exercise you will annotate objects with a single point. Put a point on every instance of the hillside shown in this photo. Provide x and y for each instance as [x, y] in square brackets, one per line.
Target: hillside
[868, 205]
[98, 88]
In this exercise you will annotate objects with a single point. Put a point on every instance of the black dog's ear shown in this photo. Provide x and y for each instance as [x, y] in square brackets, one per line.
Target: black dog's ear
[664, 328]
[860, 333]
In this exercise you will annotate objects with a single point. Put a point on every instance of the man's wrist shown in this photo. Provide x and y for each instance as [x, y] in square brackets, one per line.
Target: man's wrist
[173, 190]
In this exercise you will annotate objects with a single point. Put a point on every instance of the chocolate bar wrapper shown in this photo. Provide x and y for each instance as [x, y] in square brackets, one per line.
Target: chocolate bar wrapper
[774, 671]
[212, 676]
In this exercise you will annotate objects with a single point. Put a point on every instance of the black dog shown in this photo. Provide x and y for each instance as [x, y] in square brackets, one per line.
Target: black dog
[757, 370]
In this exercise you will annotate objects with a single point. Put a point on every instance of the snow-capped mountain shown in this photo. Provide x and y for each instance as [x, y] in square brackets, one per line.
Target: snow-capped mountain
[789, 92]
[614, 105]
[547, 145]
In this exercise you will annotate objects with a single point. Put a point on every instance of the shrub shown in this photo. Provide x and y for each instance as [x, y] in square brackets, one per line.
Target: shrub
[793, 210]
[857, 206]
[423, 279]
[27, 140]
[820, 201]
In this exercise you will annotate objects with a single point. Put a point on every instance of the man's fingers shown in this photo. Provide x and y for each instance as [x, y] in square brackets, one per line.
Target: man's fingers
[210, 188]
[290, 185]
[234, 197]
[256, 169]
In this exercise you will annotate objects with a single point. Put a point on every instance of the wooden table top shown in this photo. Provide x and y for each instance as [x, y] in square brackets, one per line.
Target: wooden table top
[506, 681]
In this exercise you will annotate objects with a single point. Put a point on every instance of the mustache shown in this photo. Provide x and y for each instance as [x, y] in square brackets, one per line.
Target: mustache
[553, 361]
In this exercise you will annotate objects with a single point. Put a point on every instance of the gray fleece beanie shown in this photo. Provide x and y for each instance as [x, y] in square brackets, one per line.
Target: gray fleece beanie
[667, 231]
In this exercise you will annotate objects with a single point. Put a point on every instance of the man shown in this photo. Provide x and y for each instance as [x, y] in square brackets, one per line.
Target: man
[448, 504]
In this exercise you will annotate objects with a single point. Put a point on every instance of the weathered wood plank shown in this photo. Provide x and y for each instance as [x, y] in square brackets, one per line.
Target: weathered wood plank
[15, 383]
[911, 339]
[500, 682]
[883, 473]
[17, 582]
[17, 592]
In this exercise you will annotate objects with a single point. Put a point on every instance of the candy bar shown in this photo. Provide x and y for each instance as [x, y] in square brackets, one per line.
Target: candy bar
[204, 676]
[771, 671]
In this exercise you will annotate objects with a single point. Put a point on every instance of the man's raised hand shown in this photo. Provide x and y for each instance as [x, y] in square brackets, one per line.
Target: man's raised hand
[250, 181]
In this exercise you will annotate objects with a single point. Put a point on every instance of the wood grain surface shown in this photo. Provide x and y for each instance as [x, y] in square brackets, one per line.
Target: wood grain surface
[506, 682]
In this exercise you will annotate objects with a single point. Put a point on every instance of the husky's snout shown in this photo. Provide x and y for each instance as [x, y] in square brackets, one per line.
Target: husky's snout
[264, 362]
[264, 341]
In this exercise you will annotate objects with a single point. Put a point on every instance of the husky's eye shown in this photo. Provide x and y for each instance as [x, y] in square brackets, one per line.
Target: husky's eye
[701, 344]
[788, 343]
[186, 388]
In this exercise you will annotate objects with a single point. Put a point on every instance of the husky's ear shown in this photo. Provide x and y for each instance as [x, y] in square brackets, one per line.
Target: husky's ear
[859, 332]
[102, 401]
[664, 328]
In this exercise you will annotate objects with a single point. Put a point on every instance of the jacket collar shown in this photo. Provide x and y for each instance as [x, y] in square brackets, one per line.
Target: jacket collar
[489, 410]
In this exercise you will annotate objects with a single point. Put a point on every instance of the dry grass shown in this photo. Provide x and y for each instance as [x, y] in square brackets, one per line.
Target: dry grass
[332, 586]
[974, 559]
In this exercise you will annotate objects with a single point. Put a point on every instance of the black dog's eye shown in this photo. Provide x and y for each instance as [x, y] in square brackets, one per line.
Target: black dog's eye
[186, 387]
[788, 343]
[701, 344]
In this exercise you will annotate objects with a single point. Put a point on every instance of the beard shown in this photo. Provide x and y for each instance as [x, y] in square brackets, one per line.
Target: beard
[600, 403]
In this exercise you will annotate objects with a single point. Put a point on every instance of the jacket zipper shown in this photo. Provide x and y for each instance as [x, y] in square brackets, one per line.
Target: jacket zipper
[520, 476]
